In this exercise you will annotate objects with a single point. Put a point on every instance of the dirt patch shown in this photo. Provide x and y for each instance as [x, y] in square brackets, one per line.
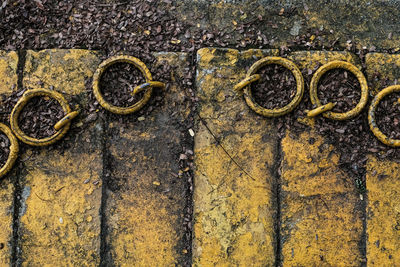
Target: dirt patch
[276, 87]
[38, 117]
[117, 84]
[340, 86]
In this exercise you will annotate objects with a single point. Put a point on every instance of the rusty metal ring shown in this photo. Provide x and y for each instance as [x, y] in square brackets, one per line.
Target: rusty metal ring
[12, 156]
[325, 108]
[252, 77]
[147, 87]
[371, 116]
[21, 104]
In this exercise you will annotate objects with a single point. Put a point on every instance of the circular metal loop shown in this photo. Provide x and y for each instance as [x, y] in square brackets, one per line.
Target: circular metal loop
[12, 156]
[21, 104]
[148, 85]
[252, 77]
[361, 79]
[371, 116]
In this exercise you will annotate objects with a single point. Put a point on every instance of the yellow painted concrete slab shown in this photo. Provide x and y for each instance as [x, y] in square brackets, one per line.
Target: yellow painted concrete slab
[234, 198]
[146, 198]
[321, 224]
[65, 69]
[383, 224]
[6, 220]
[8, 71]
[61, 187]
[320, 220]
[382, 180]
[313, 59]
[8, 83]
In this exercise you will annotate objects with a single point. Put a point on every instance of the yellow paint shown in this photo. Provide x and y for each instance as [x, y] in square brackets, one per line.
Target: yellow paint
[212, 55]
[144, 221]
[8, 83]
[320, 223]
[255, 53]
[142, 227]
[382, 183]
[313, 59]
[206, 55]
[6, 219]
[60, 209]
[61, 195]
[54, 229]
[383, 224]
[66, 70]
[8, 71]
[233, 206]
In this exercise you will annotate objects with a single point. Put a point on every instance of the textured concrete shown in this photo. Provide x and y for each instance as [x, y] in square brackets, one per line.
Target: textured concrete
[234, 198]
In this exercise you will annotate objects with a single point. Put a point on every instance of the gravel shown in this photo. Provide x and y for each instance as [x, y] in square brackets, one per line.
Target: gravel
[38, 117]
[340, 86]
[276, 87]
[117, 84]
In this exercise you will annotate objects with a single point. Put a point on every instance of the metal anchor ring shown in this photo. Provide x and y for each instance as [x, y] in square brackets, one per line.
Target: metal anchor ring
[325, 109]
[371, 116]
[12, 156]
[147, 86]
[61, 127]
[251, 77]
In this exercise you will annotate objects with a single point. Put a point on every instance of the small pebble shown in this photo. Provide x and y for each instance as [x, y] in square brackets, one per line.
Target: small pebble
[191, 132]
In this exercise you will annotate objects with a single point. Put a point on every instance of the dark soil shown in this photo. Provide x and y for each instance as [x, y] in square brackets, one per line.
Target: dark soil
[276, 87]
[340, 86]
[117, 84]
[4, 149]
[38, 117]
[388, 115]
